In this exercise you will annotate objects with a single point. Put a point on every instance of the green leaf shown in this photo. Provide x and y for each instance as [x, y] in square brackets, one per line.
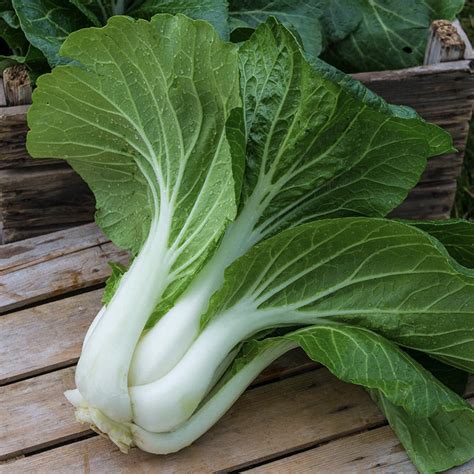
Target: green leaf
[301, 16]
[341, 17]
[435, 425]
[94, 10]
[316, 137]
[453, 378]
[213, 11]
[372, 273]
[456, 235]
[112, 283]
[145, 126]
[436, 443]
[392, 34]
[10, 30]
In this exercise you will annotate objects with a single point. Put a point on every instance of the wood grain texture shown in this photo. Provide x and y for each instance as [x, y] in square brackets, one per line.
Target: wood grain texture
[45, 337]
[375, 451]
[57, 276]
[378, 450]
[39, 200]
[3, 99]
[17, 85]
[265, 422]
[444, 43]
[47, 247]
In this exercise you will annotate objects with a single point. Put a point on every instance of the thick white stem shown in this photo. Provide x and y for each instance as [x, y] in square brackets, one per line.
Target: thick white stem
[166, 403]
[212, 410]
[102, 371]
[163, 346]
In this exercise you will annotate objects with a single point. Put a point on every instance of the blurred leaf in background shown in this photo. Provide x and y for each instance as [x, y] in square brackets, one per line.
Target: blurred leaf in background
[464, 206]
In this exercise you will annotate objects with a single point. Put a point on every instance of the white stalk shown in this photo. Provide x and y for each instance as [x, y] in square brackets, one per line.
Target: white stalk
[212, 410]
[163, 346]
[166, 403]
[102, 371]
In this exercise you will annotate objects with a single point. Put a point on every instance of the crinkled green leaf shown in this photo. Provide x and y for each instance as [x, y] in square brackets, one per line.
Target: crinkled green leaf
[341, 17]
[373, 273]
[213, 11]
[145, 126]
[327, 146]
[301, 16]
[391, 34]
[47, 23]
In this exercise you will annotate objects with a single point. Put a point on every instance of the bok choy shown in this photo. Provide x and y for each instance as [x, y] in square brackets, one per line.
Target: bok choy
[251, 188]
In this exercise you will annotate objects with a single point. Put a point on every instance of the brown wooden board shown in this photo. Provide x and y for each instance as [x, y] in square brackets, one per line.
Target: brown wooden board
[376, 451]
[40, 268]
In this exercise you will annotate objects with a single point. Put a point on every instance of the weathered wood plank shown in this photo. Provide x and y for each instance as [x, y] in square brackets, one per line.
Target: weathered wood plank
[3, 99]
[38, 200]
[57, 276]
[444, 43]
[265, 422]
[376, 451]
[47, 247]
[17, 85]
[55, 331]
[34, 413]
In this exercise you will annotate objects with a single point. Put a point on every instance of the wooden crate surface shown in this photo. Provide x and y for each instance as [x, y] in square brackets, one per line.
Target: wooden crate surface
[296, 417]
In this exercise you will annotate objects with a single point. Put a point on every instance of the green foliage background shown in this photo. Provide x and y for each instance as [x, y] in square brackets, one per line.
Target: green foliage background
[464, 206]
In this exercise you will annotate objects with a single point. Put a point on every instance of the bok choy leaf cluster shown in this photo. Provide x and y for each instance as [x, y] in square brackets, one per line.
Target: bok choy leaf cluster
[251, 188]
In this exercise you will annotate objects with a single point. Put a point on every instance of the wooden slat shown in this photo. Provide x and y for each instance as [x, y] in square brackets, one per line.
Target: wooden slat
[38, 200]
[265, 422]
[3, 99]
[376, 451]
[47, 247]
[17, 85]
[45, 337]
[57, 276]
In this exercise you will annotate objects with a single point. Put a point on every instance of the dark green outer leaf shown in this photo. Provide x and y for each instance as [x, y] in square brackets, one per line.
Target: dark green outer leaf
[328, 146]
[302, 16]
[392, 34]
[213, 11]
[47, 23]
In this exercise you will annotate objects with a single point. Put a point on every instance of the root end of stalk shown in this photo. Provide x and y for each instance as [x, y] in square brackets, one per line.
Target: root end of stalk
[119, 433]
